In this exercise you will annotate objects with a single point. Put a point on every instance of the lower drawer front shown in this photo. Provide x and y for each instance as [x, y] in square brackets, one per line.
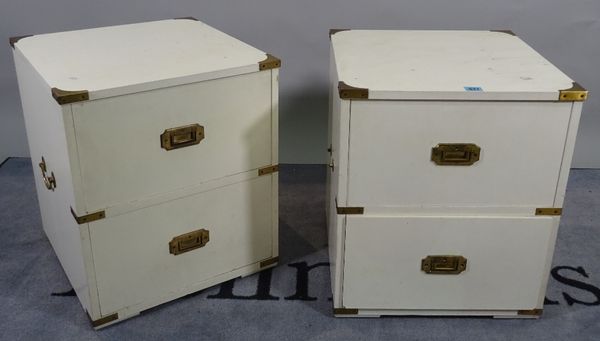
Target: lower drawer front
[507, 262]
[132, 256]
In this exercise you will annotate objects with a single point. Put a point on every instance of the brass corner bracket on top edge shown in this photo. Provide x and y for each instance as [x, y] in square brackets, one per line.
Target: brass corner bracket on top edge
[510, 32]
[271, 62]
[575, 93]
[13, 40]
[66, 97]
[186, 18]
[336, 30]
[351, 92]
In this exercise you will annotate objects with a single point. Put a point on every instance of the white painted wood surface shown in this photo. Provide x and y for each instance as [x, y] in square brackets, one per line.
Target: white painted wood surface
[118, 138]
[131, 254]
[117, 60]
[521, 153]
[45, 122]
[411, 206]
[275, 161]
[505, 262]
[339, 120]
[569, 148]
[106, 155]
[439, 65]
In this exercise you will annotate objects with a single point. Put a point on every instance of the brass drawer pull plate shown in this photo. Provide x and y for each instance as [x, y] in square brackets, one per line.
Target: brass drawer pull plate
[189, 241]
[455, 154]
[180, 137]
[444, 264]
[49, 181]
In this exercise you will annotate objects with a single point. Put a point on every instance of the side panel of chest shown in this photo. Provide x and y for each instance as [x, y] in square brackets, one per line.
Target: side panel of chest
[119, 139]
[518, 164]
[48, 126]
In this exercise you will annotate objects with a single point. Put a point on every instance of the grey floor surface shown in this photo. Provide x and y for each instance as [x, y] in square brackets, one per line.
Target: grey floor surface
[288, 303]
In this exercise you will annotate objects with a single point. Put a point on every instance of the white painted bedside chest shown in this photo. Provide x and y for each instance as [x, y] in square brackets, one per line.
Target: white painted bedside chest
[450, 153]
[155, 155]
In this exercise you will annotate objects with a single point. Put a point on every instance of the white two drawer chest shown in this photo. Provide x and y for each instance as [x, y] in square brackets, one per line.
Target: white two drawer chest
[155, 155]
[450, 153]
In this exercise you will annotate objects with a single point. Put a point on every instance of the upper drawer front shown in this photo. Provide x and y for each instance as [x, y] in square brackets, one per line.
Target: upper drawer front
[119, 139]
[507, 262]
[391, 145]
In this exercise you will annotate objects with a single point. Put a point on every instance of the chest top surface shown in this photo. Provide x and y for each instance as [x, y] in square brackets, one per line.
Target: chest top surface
[453, 65]
[130, 58]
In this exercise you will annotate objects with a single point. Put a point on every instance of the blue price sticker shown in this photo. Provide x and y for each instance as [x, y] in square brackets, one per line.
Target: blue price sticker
[473, 88]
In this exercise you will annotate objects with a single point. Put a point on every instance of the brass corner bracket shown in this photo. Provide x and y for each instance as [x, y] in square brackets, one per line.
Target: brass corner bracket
[88, 217]
[186, 18]
[548, 211]
[576, 93]
[505, 31]
[13, 40]
[268, 170]
[66, 97]
[336, 30]
[350, 92]
[348, 210]
[104, 320]
[271, 62]
[531, 312]
[345, 311]
[268, 262]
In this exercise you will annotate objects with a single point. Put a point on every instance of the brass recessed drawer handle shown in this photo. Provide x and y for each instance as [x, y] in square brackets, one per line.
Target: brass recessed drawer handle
[49, 181]
[183, 136]
[444, 264]
[455, 154]
[189, 241]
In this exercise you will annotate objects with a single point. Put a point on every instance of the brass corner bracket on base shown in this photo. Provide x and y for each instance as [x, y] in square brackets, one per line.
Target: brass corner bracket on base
[66, 97]
[504, 31]
[576, 93]
[349, 210]
[268, 170]
[548, 211]
[104, 320]
[268, 262]
[13, 40]
[336, 30]
[350, 92]
[88, 217]
[345, 311]
[271, 62]
[531, 312]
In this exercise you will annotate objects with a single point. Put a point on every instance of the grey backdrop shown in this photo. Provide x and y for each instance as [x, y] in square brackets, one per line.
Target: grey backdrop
[566, 32]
